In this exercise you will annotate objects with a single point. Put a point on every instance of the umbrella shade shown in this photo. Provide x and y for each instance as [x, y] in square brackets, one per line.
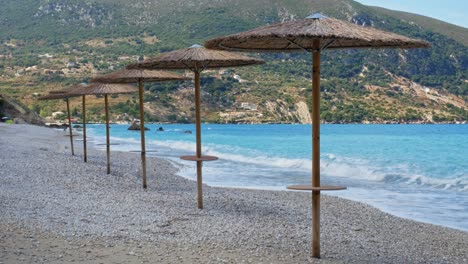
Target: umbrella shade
[313, 34]
[59, 91]
[195, 57]
[133, 76]
[101, 89]
[61, 94]
[140, 76]
[56, 95]
[65, 93]
[297, 35]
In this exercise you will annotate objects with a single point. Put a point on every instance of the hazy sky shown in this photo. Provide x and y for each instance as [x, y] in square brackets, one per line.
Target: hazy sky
[452, 11]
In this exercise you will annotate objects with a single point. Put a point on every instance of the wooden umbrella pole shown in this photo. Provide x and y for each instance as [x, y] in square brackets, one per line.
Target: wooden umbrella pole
[142, 131]
[106, 105]
[70, 126]
[198, 137]
[316, 148]
[84, 128]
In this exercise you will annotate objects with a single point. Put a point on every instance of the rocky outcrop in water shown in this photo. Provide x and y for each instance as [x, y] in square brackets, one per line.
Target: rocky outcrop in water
[136, 126]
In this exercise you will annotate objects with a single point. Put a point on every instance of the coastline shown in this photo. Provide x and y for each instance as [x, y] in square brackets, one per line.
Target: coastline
[385, 122]
[79, 213]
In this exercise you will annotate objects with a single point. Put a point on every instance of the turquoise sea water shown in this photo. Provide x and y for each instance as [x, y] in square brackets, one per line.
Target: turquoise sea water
[413, 171]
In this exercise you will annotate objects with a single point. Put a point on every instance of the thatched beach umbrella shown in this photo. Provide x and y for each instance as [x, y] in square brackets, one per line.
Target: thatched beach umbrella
[59, 91]
[101, 89]
[139, 76]
[313, 34]
[61, 94]
[196, 58]
[83, 113]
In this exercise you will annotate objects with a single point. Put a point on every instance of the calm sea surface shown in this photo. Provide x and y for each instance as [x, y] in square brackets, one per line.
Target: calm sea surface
[413, 171]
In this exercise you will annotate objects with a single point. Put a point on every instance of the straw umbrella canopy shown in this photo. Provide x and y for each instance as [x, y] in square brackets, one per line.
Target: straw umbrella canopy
[83, 110]
[101, 89]
[61, 94]
[196, 58]
[139, 76]
[59, 91]
[313, 34]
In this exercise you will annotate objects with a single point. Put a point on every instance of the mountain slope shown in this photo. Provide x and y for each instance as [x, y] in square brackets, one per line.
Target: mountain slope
[82, 38]
[455, 32]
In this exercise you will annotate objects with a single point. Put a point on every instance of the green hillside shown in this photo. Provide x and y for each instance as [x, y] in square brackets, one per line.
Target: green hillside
[55, 43]
[455, 32]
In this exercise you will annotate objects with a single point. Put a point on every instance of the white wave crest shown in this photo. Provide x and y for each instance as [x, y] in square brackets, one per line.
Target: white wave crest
[400, 173]
[331, 165]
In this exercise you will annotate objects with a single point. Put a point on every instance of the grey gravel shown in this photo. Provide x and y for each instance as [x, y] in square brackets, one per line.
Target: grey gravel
[46, 194]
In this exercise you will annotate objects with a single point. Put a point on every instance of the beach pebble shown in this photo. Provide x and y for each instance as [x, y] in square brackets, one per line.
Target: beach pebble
[90, 213]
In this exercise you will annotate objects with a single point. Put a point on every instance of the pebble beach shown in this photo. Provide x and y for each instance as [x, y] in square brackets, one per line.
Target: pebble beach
[55, 208]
